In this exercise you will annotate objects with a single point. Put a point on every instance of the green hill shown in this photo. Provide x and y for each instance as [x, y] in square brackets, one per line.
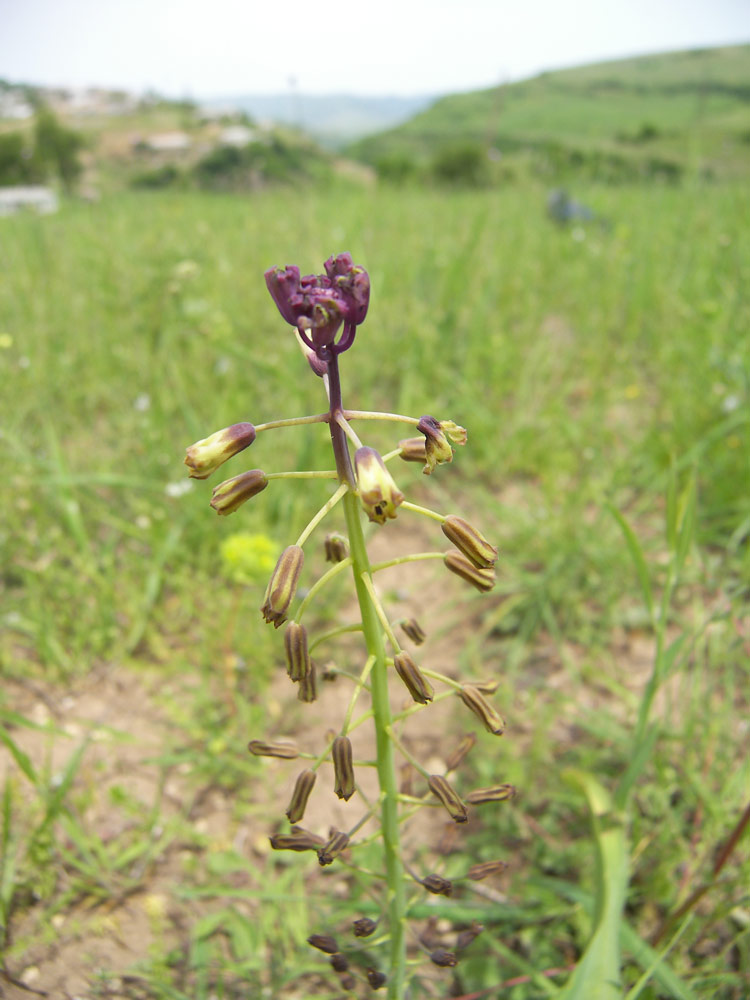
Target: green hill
[657, 114]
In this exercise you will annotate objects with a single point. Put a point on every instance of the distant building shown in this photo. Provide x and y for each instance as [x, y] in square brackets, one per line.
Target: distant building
[36, 199]
[237, 135]
[166, 142]
[14, 105]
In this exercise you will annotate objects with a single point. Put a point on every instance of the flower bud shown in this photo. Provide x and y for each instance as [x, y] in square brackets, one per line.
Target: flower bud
[364, 927]
[455, 432]
[336, 547]
[498, 793]
[471, 542]
[348, 982]
[477, 872]
[445, 959]
[458, 755]
[414, 631]
[437, 449]
[343, 770]
[377, 491]
[482, 579]
[308, 688]
[302, 788]
[417, 684]
[438, 885]
[283, 283]
[482, 709]
[336, 843]
[353, 283]
[298, 663]
[204, 457]
[339, 963]
[232, 493]
[324, 942]
[282, 585]
[465, 938]
[488, 686]
[297, 840]
[259, 748]
[375, 979]
[443, 791]
[412, 450]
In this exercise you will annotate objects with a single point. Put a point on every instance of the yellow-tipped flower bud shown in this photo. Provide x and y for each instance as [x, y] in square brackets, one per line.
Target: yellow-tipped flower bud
[232, 493]
[376, 979]
[308, 685]
[282, 585]
[471, 542]
[465, 938]
[205, 457]
[414, 631]
[437, 449]
[461, 751]
[443, 958]
[412, 450]
[324, 942]
[498, 793]
[377, 491]
[336, 547]
[343, 769]
[298, 663]
[417, 684]
[302, 788]
[288, 751]
[297, 840]
[479, 705]
[443, 791]
[477, 872]
[364, 927]
[337, 842]
[482, 579]
[438, 885]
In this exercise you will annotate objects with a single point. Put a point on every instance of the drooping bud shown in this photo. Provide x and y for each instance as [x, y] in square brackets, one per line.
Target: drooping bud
[417, 684]
[204, 457]
[286, 750]
[378, 492]
[412, 450]
[324, 942]
[482, 579]
[438, 885]
[308, 687]
[319, 367]
[471, 542]
[339, 963]
[337, 548]
[364, 927]
[443, 791]
[414, 631]
[376, 979]
[465, 938]
[437, 449]
[458, 755]
[477, 872]
[337, 842]
[302, 788]
[298, 663]
[455, 432]
[283, 585]
[232, 493]
[283, 284]
[343, 770]
[479, 705]
[348, 982]
[498, 793]
[445, 959]
[353, 282]
[297, 840]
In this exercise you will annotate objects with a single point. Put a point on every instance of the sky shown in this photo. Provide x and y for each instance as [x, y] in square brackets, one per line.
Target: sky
[214, 48]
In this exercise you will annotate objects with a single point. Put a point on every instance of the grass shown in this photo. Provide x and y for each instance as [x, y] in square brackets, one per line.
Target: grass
[600, 372]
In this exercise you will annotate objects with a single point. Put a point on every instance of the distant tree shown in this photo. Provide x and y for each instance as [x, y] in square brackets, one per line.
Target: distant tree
[56, 148]
[462, 164]
[16, 162]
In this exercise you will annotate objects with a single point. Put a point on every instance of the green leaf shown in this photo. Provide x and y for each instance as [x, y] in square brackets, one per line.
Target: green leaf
[22, 759]
[636, 554]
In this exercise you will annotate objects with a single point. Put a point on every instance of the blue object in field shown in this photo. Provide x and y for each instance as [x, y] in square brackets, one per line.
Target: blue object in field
[561, 208]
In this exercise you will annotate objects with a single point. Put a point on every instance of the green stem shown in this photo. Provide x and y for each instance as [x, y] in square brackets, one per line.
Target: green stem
[395, 891]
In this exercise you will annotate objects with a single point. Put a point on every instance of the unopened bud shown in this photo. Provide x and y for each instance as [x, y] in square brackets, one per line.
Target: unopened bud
[337, 842]
[479, 705]
[445, 959]
[414, 631]
[477, 872]
[339, 963]
[282, 585]
[438, 885]
[461, 751]
[412, 450]
[377, 491]
[417, 684]
[297, 657]
[482, 579]
[465, 938]
[204, 457]
[455, 432]
[376, 979]
[437, 449]
[488, 686]
[343, 770]
[336, 547]
[498, 793]
[471, 542]
[443, 791]
[297, 840]
[364, 927]
[274, 749]
[308, 687]
[348, 982]
[324, 942]
[232, 493]
[302, 788]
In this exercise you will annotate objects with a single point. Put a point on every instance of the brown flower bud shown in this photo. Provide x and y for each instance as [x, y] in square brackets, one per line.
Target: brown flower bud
[343, 770]
[340, 963]
[364, 927]
[471, 542]
[336, 548]
[308, 688]
[445, 959]
[482, 579]
[498, 793]
[276, 749]
[414, 631]
[283, 585]
[461, 751]
[348, 982]
[412, 450]
[378, 493]
[443, 791]
[232, 493]
[376, 979]
[297, 840]
[302, 788]
[465, 938]
[337, 842]
[297, 657]
[416, 683]
[437, 449]
[477, 872]
[205, 456]
[438, 885]
[479, 705]
[324, 942]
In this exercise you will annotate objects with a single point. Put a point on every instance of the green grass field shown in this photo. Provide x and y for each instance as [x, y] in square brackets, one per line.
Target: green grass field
[599, 370]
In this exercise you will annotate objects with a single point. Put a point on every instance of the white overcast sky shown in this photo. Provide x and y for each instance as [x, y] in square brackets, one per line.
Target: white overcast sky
[209, 48]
